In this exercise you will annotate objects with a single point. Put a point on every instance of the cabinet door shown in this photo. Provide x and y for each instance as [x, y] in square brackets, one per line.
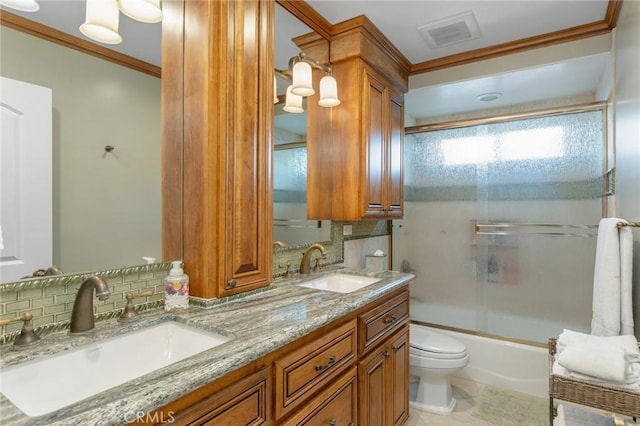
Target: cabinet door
[383, 382]
[223, 133]
[399, 377]
[395, 151]
[375, 124]
[372, 379]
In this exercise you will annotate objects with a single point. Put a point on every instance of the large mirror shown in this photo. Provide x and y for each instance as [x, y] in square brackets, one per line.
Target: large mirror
[290, 153]
[105, 151]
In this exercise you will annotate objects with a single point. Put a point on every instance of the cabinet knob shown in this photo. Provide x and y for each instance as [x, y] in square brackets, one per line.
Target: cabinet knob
[322, 367]
[390, 319]
[333, 422]
[231, 284]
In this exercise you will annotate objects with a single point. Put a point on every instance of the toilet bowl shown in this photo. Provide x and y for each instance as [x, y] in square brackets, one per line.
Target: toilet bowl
[433, 358]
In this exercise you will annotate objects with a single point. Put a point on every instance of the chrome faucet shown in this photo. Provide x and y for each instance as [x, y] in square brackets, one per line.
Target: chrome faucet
[82, 314]
[305, 263]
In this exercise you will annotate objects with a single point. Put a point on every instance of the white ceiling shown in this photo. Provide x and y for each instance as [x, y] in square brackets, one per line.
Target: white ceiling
[498, 22]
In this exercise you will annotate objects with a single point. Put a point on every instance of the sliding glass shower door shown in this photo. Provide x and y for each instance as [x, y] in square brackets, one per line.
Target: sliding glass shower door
[500, 223]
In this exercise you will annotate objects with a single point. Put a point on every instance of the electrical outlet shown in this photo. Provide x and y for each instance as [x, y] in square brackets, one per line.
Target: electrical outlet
[347, 229]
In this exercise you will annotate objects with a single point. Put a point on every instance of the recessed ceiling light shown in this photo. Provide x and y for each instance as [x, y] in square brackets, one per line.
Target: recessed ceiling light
[489, 96]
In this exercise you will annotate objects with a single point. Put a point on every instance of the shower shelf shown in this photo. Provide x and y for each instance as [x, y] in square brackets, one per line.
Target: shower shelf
[607, 397]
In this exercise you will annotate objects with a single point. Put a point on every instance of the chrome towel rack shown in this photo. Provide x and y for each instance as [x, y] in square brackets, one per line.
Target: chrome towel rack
[551, 229]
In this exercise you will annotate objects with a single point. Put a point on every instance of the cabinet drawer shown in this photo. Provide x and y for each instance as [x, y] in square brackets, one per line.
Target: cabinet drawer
[376, 324]
[335, 405]
[245, 402]
[309, 367]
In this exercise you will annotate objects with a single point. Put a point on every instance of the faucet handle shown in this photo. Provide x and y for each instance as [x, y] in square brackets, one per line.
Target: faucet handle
[316, 265]
[27, 336]
[129, 313]
[285, 265]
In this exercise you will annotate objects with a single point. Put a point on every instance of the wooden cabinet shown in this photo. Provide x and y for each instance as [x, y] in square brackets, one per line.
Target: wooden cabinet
[383, 369]
[383, 120]
[355, 164]
[383, 382]
[376, 324]
[300, 373]
[217, 120]
[354, 370]
[335, 405]
[243, 403]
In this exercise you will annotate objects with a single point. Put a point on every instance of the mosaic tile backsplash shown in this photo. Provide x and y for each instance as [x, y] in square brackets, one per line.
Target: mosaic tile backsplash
[50, 299]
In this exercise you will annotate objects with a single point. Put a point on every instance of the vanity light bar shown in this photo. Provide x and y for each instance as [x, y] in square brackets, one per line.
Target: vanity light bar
[300, 72]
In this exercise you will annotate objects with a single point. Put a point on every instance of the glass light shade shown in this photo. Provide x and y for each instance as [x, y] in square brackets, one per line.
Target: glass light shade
[328, 92]
[22, 5]
[293, 102]
[147, 11]
[101, 22]
[302, 85]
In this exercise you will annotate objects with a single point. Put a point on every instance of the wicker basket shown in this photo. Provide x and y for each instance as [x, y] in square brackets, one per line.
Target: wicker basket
[612, 398]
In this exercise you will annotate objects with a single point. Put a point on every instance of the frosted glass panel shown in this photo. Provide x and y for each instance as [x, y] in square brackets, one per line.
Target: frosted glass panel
[540, 170]
[290, 224]
[290, 174]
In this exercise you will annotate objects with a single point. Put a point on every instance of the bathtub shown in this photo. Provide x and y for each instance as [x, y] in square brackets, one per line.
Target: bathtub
[509, 365]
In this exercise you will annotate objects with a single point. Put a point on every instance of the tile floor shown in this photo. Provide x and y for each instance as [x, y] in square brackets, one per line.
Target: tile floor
[465, 392]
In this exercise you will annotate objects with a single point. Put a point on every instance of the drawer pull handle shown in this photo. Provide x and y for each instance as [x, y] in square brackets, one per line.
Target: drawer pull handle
[390, 319]
[333, 422]
[322, 367]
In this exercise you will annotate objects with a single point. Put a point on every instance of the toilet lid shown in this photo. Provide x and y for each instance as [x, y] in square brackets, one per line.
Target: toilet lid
[431, 341]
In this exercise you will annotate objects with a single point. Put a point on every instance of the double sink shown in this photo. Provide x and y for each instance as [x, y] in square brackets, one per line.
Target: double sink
[43, 386]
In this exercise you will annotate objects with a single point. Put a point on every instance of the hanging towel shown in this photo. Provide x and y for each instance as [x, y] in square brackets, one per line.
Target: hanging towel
[612, 308]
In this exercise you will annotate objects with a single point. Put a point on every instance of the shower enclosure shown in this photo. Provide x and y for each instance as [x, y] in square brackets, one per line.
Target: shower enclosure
[500, 223]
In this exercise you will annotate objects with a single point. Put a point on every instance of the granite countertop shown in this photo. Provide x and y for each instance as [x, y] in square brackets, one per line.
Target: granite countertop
[258, 323]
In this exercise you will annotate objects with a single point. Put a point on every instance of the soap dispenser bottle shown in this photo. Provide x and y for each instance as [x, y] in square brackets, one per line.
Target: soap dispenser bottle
[176, 288]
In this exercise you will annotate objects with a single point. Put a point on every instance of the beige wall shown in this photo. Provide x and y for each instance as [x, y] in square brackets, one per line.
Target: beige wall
[627, 130]
[106, 206]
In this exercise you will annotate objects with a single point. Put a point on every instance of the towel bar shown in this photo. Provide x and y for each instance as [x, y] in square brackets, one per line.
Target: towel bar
[632, 224]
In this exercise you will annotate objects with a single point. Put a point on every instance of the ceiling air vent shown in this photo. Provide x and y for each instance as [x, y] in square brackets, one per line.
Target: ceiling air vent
[451, 30]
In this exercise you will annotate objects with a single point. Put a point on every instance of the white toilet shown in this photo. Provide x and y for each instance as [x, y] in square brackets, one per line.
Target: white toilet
[433, 357]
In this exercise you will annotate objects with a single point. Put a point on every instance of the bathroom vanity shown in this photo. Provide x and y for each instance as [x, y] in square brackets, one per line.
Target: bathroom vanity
[294, 355]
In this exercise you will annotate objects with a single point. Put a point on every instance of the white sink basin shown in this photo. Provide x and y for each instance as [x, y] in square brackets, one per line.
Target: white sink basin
[339, 283]
[46, 385]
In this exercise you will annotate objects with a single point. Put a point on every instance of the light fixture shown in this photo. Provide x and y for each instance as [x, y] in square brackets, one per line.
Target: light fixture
[147, 11]
[21, 5]
[293, 102]
[301, 73]
[489, 96]
[328, 92]
[101, 21]
[302, 85]
[102, 17]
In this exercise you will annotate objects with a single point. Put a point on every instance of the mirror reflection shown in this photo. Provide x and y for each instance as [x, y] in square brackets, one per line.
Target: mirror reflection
[290, 153]
[103, 203]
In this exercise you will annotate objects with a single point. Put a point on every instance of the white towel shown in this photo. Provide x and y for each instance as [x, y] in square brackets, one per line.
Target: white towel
[613, 359]
[612, 309]
[575, 338]
[608, 364]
